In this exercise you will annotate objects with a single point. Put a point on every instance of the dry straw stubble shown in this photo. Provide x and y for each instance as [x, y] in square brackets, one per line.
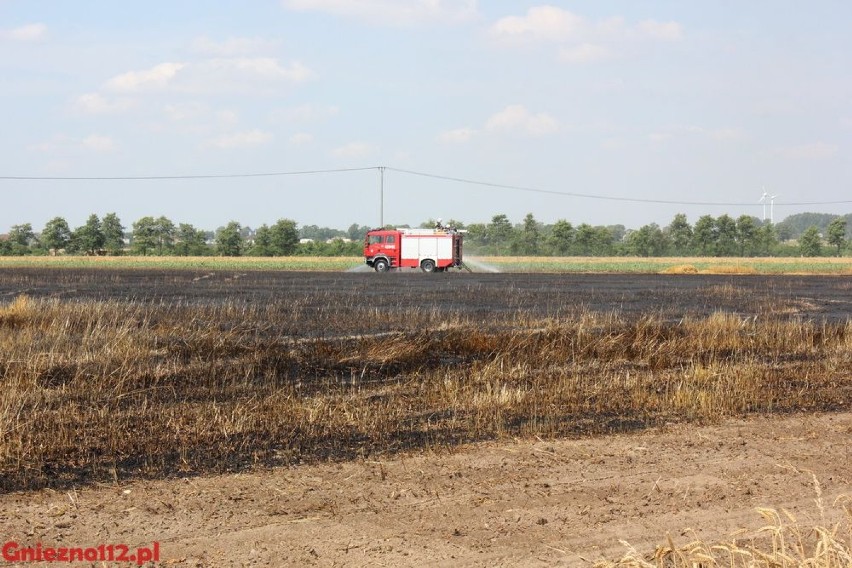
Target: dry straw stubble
[101, 390]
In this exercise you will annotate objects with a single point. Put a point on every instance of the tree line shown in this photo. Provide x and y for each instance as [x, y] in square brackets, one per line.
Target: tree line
[708, 236]
[161, 236]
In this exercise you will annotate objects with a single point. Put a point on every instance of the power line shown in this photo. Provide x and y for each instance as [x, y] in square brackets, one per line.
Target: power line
[602, 197]
[185, 177]
[414, 173]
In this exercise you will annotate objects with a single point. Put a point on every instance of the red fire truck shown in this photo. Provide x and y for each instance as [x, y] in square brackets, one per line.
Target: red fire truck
[433, 250]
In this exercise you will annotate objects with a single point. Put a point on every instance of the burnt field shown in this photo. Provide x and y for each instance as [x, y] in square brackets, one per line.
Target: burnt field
[457, 294]
[115, 374]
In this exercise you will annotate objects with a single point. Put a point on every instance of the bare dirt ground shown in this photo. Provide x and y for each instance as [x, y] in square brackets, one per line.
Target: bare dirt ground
[531, 503]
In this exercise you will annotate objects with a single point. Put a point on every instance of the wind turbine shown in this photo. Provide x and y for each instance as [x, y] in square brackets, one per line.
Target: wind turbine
[771, 199]
[772, 208]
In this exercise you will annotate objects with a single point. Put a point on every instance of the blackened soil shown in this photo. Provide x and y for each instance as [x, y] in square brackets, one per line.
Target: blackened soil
[476, 295]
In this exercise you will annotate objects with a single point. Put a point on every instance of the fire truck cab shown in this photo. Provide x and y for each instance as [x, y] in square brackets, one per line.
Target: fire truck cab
[432, 250]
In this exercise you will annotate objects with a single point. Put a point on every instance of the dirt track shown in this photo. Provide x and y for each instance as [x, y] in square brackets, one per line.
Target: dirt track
[525, 503]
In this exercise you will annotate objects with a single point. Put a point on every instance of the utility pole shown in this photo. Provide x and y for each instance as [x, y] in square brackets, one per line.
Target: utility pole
[381, 196]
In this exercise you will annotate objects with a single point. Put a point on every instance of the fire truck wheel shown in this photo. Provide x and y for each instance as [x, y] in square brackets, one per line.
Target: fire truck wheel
[381, 265]
[428, 265]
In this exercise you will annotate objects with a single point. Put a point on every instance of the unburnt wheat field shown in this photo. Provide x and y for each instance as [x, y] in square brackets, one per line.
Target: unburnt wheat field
[111, 375]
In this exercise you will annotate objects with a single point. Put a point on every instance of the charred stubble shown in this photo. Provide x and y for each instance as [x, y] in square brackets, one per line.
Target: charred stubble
[97, 390]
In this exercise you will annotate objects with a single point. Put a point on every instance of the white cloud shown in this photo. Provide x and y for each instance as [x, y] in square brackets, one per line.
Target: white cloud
[774, 107]
[246, 139]
[727, 134]
[62, 143]
[583, 53]
[197, 118]
[667, 31]
[613, 143]
[659, 137]
[29, 32]
[580, 40]
[55, 143]
[300, 139]
[815, 151]
[98, 143]
[251, 75]
[95, 103]
[353, 150]
[541, 23]
[231, 47]
[391, 12]
[181, 112]
[157, 77]
[516, 118]
[227, 117]
[306, 113]
[258, 67]
[59, 166]
[457, 136]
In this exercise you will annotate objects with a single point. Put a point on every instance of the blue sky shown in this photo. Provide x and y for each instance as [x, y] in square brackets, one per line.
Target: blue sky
[649, 101]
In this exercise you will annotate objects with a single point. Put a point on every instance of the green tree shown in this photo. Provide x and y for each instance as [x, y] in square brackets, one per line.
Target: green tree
[603, 240]
[767, 238]
[113, 232]
[283, 237]
[189, 241]
[704, 235]
[500, 232]
[357, 232]
[339, 247]
[145, 235]
[561, 238]
[22, 235]
[165, 232]
[229, 240]
[784, 232]
[262, 245]
[810, 243]
[21, 239]
[585, 239]
[477, 235]
[56, 234]
[747, 235]
[793, 226]
[528, 237]
[726, 236]
[90, 237]
[649, 240]
[679, 234]
[616, 233]
[837, 234]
